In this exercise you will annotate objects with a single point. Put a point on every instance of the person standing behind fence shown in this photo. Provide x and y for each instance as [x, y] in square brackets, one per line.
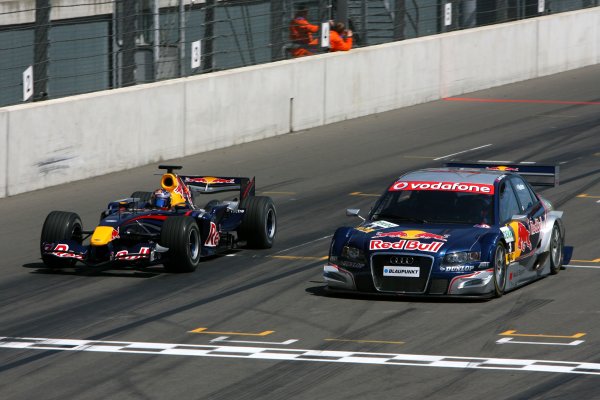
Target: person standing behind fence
[340, 38]
[303, 43]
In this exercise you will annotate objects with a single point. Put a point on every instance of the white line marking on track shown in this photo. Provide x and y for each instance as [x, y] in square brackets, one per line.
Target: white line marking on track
[583, 266]
[286, 354]
[495, 161]
[510, 341]
[464, 151]
[224, 339]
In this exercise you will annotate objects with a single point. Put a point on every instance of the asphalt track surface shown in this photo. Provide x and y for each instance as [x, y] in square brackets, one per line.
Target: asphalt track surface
[541, 341]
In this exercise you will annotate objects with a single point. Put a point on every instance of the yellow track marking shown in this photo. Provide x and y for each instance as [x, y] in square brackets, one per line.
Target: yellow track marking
[204, 330]
[587, 196]
[301, 257]
[512, 333]
[597, 260]
[363, 341]
[364, 194]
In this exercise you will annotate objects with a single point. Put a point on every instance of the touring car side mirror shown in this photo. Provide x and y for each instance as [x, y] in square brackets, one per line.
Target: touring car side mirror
[519, 217]
[353, 212]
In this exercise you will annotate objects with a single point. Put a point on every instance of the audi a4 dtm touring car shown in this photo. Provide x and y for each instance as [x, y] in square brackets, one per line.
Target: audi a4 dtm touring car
[464, 230]
[166, 226]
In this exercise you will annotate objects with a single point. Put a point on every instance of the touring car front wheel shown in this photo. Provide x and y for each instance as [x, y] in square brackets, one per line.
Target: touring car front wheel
[556, 251]
[181, 236]
[60, 226]
[260, 222]
[499, 270]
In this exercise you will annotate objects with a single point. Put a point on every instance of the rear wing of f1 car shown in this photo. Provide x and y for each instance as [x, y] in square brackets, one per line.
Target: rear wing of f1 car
[536, 175]
[213, 184]
[207, 184]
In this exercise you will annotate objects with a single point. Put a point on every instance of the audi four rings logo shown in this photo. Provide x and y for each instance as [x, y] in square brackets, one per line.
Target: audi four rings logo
[402, 260]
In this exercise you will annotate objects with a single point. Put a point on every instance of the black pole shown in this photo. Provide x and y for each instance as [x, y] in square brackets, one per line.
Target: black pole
[501, 11]
[342, 11]
[129, 34]
[276, 30]
[209, 34]
[41, 45]
[399, 22]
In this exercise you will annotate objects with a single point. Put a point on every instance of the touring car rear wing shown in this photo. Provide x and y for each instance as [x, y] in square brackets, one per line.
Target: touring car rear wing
[536, 174]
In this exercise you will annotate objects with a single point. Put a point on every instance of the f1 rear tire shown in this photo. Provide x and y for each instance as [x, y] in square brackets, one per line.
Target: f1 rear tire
[259, 225]
[60, 226]
[181, 236]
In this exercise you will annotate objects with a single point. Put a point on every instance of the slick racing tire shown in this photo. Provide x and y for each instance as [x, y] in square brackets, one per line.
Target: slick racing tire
[556, 251]
[499, 265]
[58, 227]
[143, 196]
[259, 225]
[181, 236]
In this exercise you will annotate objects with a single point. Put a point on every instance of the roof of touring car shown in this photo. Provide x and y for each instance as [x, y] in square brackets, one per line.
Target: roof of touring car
[453, 175]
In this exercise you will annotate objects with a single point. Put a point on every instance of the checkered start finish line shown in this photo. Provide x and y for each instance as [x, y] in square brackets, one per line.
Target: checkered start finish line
[258, 353]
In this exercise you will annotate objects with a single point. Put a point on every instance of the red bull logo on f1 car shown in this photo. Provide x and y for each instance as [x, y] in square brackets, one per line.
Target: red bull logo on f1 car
[410, 245]
[467, 187]
[411, 234]
[62, 250]
[502, 168]
[209, 180]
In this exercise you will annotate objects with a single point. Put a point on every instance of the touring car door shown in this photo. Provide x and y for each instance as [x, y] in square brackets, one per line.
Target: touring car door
[532, 208]
[515, 227]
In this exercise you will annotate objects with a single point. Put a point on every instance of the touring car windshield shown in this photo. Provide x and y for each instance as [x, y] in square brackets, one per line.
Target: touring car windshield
[431, 206]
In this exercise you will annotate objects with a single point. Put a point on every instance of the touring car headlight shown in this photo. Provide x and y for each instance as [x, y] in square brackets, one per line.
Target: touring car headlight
[462, 257]
[353, 254]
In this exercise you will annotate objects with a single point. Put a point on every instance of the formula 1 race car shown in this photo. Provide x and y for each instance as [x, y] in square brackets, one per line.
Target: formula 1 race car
[164, 227]
[472, 229]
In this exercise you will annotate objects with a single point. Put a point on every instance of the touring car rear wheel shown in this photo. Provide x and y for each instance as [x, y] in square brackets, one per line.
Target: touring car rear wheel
[181, 236]
[499, 270]
[556, 251]
[260, 222]
[60, 226]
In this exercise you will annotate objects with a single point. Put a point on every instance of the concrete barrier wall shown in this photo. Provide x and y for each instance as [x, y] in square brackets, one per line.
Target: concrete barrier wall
[3, 152]
[58, 141]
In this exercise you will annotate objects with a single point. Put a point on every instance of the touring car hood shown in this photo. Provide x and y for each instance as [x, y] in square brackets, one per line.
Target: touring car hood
[431, 239]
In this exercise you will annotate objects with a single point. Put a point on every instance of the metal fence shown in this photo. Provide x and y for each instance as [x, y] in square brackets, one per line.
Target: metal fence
[57, 48]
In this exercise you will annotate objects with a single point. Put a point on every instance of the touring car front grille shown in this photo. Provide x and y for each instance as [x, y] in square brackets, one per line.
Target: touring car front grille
[401, 284]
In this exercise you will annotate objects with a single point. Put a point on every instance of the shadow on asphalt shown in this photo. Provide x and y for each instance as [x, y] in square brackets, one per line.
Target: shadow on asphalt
[324, 292]
[149, 272]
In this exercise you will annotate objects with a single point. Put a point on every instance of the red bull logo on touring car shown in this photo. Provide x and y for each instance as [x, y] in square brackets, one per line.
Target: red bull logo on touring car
[410, 245]
[521, 245]
[523, 237]
[467, 187]
[411, 234]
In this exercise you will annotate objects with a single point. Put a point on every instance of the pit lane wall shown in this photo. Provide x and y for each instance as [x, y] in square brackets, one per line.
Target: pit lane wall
[58, 141]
